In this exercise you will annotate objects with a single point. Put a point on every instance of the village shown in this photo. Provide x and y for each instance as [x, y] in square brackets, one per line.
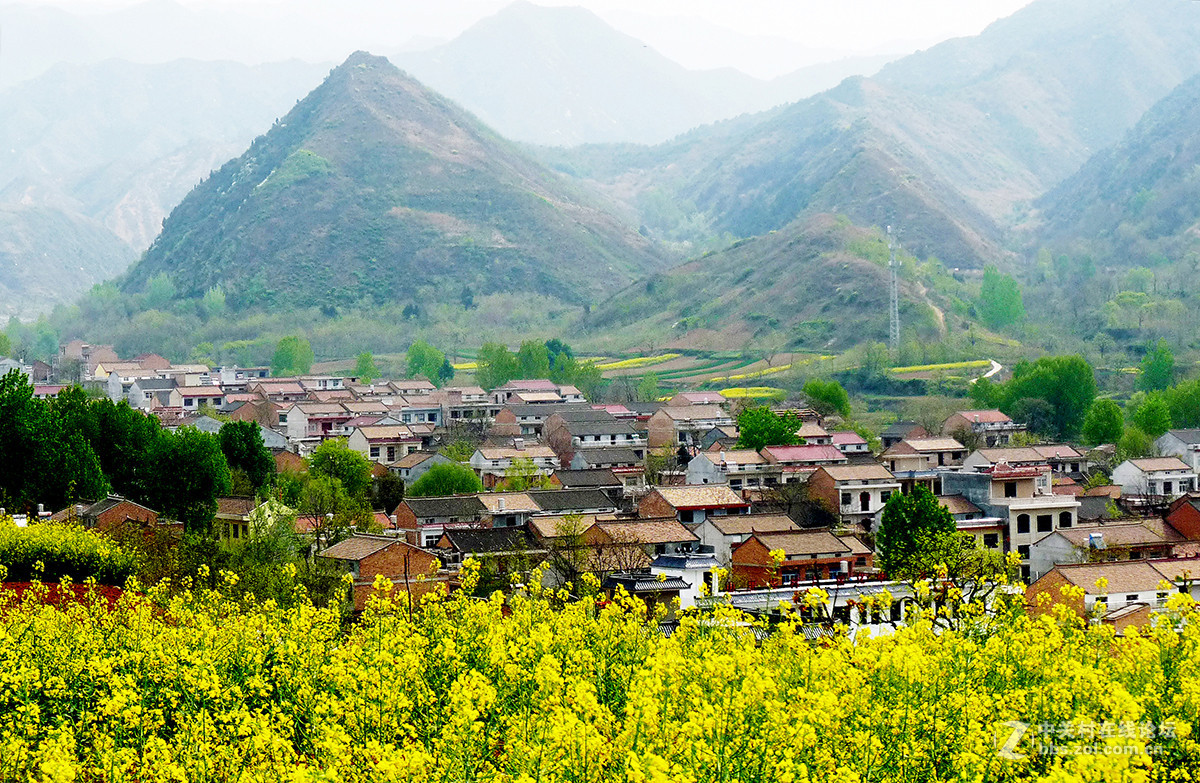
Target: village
[660, 500]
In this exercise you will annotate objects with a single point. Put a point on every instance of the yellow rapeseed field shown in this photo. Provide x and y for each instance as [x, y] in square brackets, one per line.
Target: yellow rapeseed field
[190, 685]
[641, 361]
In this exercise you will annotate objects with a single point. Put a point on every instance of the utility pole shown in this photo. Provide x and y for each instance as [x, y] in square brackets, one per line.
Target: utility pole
[894, 268]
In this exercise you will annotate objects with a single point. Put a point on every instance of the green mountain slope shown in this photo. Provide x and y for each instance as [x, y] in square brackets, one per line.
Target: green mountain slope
[821, 281]
[950, 143]
[376, 189]
[1140, 198]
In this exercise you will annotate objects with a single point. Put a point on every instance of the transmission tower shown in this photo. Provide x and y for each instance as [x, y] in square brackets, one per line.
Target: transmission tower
[894, 269]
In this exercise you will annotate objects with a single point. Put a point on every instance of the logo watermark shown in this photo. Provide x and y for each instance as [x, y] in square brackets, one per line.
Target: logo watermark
[1082, 738]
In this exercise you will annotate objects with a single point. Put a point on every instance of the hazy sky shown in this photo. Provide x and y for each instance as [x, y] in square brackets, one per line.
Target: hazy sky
[763, 37]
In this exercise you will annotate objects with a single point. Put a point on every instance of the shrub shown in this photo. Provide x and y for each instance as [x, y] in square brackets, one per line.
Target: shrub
[62, 550]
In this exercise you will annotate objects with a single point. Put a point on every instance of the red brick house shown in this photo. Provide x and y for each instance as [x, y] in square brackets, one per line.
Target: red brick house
[809, 555]
[366, 557]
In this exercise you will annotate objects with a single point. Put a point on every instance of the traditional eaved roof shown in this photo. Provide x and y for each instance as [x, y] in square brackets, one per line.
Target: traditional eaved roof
[737, 457]
[357, 547]
[1133, 534]
[984, 417]
[532, 451]
[1155, 464]
[1057, 451]
[805, 543]
[1188, 436]
[743, 524]
[593, 477]
[646, 532]
[413, 458]
[958, 504]
[450, 506]
[1012, 455]
[869, 472]
[619, 455]
[810, 452]
[567, 500]
[494, 541]
[693, 412]
[513, 502]
[1126, 576]
[693, 496]
[847, 438]
[922, 445]
[387, 432]
[236, 506]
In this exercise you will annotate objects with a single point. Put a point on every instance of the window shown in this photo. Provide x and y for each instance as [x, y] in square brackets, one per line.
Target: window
[846, 499]
[686, 517]
[1064, 519]
[864, 501]
[991, 540]
[374, 452]
[1160, 598]
[883, 496]
[1022, 523]
[1010, 489]
[1045, 523]
[860, 560]
[1167, 487]
[1023, 551]
[1131, 598]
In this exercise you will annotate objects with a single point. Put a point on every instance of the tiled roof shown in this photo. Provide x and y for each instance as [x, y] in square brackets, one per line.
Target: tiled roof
[566, 500]
[387, 432]
[957, 504]
[493, 541]
[1187, 436]
[984, 417]
[556, 526]
[693, 412]
[1122, 535]
[532, 451]
[609, 456]
[808, 542]
[662, 531]
[357, 547]
[1057, 451]
[1159, 463]
[738, 457]
[701, 496]
[413, 458]
[452, 506]
[871, 472]
[1125, 576]
[609, 426]
[743, 524]
[513, 502]
[922, 445]
[594, 477]
[236, 506]
[847, 438]
[812, 452]
[810, 429]
[1011, 455]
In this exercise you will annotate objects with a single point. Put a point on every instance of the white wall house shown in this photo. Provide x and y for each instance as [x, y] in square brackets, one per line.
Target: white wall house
[1166, 477]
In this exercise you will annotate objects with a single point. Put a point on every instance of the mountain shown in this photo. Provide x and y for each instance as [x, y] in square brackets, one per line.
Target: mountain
[562, 76]
[1139, 198]
[949, 143]
[820, 280]
[50, 256]
[374, 189]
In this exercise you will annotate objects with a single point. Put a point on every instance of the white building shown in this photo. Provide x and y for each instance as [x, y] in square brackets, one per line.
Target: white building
[1155, 477]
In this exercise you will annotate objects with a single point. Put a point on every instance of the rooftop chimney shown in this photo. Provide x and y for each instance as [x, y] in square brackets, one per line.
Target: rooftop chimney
[500, 504]
[519, 444]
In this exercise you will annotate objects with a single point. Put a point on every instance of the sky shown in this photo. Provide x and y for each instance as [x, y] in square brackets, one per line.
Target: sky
[762, 37]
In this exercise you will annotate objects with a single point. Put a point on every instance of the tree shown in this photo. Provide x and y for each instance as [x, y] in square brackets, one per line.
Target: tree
[333, 458]
[425, 360]
[557, 350]
[912, 532]
[1000, 302]
[387, 492]
[242, 445]
[5, 345]
[495, 366]
[1036, 414]
[1134, 444]
[827, 397]
[1150, 413]
[1103, 424]
[1157, 368]
[986, 394]
[1066, 382]
[191, 474]
[523, 474]
[330, 510]
[445, 373]
[364, 367]
[446, 479]
[1184, 401]
[293, 356]
[647, 388]
[760, 426]
[159, 292]
[533, 360]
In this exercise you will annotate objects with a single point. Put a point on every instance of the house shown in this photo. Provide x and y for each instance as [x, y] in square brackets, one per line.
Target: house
[527, 421]
[722, 534]
[902, 430]
[430, 517]
[922, 454]
[1017, 495]
[741, 468]
[1140, 540]
[690, 504]
[626, 545]
[413, 387]
[1184, 515]
[993, 427]
[364, 557]
[1131, 591]
[114, 514]
[503, 394]
[809, 556]
[556, 502]
[684, 425]
[697, 398]
[237, 518]
[626, 464]
[383, 443]
[856, 493]
[508, 509]
[850, 442]
[595, 478]
[414, 464]
[568, 435]
[1063, 459]
[813, 433]
[147, 393]
[271, 439]
[493, 463]
[697, 570]
[989, 532]
[312, 421]
[1023, 457]
[278, 390]
[1154, 480]
[503, 552]
[796, 463]
[720, 438]
[1184, 444]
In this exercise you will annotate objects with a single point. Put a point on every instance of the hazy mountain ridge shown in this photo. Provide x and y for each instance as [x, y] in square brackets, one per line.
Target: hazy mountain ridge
[562, 76]
[1139, 198]
[374, 188]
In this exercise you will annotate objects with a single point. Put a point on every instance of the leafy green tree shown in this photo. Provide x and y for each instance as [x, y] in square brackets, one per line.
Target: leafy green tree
[1068, 383]
[1036, 414]
[191, 474]
[523, 474]
[1000, 302]
[1157, 368]
[333, 458]
[986, 394]
[386, 492]
[496, 366]
[760, 426]
[827, 397]
[293, 356]
[913, 527]
[1184, 401]
[1103, 423]
[329, 510]
[5, 345]
[1134, 444]
[159, 292]
[424, 360]
[1150, 414]
[245, 453]
[446, 479]
[557, 350]
[647, 388]
[364, 367]
[212, 305]
[445, 373]
[533, 360]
